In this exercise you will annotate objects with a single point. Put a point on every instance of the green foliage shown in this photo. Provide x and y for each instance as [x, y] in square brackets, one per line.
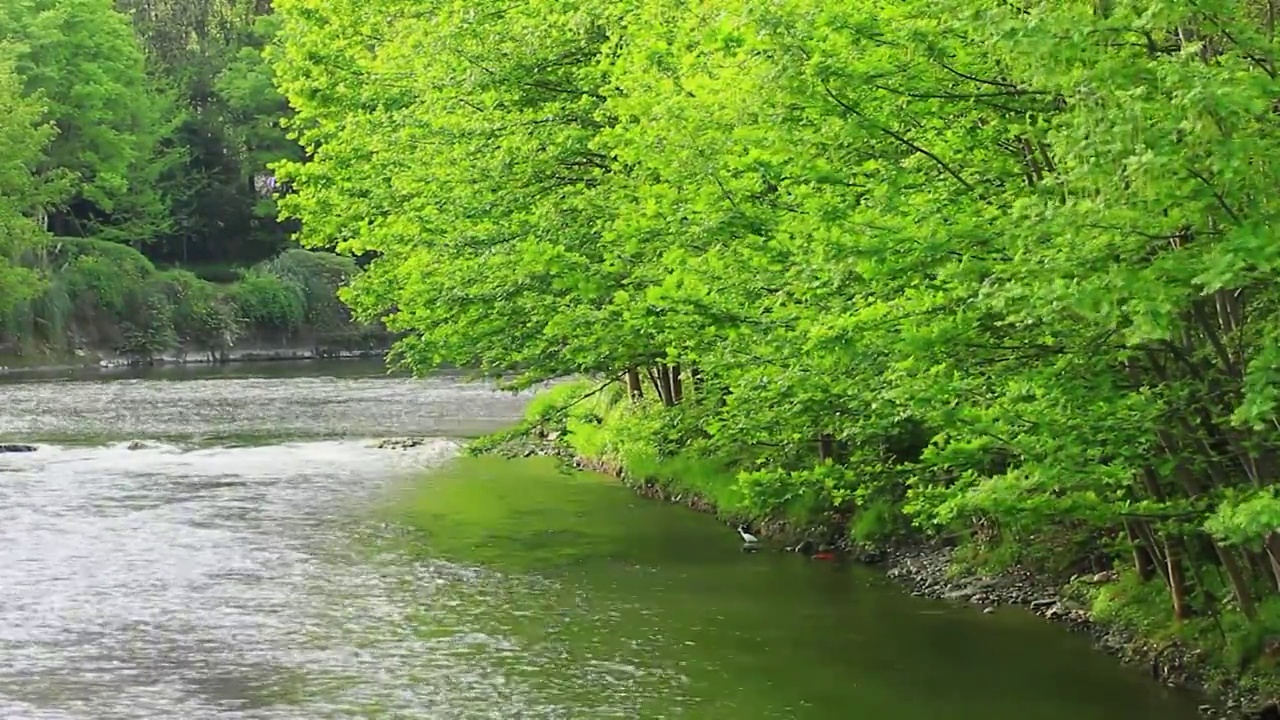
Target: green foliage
[213, 57]
[319, 275]
[1240, 650]
[215, 273]
[875, 522]
[269, 301]
[254, 108]
[204, 318]
[148, 327]
[549, 408]
[134, 130]
[1246, 518]
[106, 296]
[102, 274]
[142, 123]
[1008, 268]
[22, 138]
[81, 57]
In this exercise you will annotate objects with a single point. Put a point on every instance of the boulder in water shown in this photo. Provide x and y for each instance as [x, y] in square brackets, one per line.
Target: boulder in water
[16, 448]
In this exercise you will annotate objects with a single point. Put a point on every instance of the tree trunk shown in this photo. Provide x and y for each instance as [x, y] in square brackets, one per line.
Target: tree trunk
[1239, 582]
[634, 387]
[657, 383]
[1273, 554]
[826, 448]
[1143, 563]
[1177, 580]
[666, 388]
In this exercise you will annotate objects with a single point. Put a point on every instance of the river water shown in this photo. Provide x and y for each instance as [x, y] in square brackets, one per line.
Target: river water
[258, 558]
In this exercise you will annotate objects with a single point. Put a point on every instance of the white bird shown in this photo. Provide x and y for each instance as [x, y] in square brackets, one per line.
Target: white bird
[747, 537]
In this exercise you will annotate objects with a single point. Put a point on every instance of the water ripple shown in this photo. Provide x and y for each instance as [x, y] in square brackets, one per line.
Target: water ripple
[229, 408]
[181, 581]
[166, 582]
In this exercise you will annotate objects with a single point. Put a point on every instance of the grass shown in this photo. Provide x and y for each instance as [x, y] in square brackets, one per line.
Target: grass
[1232, 650]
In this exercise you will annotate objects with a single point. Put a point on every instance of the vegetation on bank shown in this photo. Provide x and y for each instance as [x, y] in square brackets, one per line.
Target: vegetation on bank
[138, 133]
[95, 295]
[595, 424]
[1000, 272]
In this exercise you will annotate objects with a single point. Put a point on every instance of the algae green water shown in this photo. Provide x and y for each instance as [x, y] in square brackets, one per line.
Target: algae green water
[307, 575]
[609, 605]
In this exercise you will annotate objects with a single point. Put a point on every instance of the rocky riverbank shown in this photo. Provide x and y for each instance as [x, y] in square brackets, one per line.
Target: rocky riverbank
[928, 570]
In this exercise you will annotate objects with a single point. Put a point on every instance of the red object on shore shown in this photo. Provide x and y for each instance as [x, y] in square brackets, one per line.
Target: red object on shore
[824, 556]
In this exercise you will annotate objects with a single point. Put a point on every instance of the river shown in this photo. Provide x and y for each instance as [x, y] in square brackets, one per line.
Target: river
[258, 558]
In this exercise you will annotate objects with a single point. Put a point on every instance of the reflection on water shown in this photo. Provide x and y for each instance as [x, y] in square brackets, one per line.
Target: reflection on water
[272, 581]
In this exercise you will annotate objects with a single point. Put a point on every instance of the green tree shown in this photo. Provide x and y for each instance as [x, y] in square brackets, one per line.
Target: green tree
[479, 127]
[82, 58]
[24, 194]
[1006, 270]
[209, 54]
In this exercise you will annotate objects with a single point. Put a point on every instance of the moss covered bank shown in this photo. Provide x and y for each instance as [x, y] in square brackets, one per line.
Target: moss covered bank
[593, 426]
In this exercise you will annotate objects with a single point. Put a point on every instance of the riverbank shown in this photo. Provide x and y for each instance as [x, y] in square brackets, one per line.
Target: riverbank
[1100, 602]
[932, 570]
[107, 304]
[928, 569]
[465, 587]
[112, 361]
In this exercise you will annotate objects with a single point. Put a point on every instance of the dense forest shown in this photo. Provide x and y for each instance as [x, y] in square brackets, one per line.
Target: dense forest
[137, 207]
[1003, 272]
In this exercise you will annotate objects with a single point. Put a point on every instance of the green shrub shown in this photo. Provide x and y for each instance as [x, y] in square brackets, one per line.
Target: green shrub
[95, 281]
[45, 318]
[51, 311]
[100, 274]
[110, 295]
[268, 301]
[129, 260]
[636, 438]
[218, 274]
[147, 329]
[204, 318]
[548, 407]
[319, 275]
[876, 521]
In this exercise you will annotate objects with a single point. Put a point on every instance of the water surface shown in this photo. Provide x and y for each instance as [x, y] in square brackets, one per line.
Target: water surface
[248, 403]
[305, 575]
